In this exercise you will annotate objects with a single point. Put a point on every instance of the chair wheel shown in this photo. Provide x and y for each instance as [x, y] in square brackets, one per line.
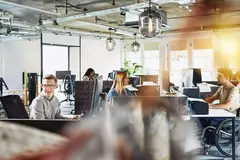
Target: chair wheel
[206, 151]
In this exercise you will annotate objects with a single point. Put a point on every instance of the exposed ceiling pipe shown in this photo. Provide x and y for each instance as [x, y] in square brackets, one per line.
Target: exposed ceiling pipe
[65, 30]
[116, 10]
[28, 7]
[119, 30]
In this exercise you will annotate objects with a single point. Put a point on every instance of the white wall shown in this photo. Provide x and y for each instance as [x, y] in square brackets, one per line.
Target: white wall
[20, 56]
[95, 55]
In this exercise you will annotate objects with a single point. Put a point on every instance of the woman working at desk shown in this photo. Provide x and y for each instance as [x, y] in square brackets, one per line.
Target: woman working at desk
[118, 88]
[88, 76]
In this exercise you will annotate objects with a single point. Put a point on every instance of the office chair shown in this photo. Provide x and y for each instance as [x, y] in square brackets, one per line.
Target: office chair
[14, 107]
[68, 88]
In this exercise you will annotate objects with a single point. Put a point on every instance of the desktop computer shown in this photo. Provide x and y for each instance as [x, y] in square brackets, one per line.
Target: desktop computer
[62, 74]
[191, 77]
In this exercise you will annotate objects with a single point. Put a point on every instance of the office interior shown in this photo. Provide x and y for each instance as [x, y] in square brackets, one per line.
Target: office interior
[178, 65]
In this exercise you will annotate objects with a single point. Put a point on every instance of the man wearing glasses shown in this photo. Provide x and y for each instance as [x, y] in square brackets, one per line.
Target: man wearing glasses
[46, 105]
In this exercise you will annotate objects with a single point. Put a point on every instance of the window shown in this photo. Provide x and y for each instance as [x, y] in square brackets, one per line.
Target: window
[178, 61]
[151, 62]
[133, 57]
[55, 58]
[204, 59]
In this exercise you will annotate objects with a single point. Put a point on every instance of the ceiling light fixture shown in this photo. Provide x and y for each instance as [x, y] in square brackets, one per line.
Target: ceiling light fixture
[110, 43]
[135, 45]
[70, 6]
[150, 22]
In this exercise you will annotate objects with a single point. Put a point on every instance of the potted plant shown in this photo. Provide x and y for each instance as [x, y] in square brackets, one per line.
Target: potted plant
[130, 68]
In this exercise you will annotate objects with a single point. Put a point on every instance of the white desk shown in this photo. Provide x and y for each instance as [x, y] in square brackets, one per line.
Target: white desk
[216, 113]
[148, 84]
[131, 89]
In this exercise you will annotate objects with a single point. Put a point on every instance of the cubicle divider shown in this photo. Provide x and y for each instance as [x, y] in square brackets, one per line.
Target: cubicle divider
[83, 96]
[178, 104]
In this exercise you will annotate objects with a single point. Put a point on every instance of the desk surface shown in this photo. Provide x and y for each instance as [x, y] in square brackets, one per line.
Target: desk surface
[132, 89]
[217, 113]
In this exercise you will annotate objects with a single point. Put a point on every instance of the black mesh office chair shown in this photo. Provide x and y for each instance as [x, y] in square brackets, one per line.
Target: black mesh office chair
[69, 83]
[14, 107]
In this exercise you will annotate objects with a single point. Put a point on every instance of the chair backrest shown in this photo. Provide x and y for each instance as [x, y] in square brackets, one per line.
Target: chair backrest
[68, 84]
[14, 107]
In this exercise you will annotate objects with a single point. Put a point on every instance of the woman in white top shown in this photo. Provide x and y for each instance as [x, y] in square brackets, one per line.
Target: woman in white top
[88, 76]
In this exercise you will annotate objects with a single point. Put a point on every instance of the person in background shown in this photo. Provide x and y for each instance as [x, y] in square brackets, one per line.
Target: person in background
[88, 76]
[238, 79]
[118, 88]
[46, 104]
[227, 92]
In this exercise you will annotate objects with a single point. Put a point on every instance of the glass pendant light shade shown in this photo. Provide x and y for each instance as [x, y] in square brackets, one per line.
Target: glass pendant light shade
[150, 23]
[110, 44]
[135, 47]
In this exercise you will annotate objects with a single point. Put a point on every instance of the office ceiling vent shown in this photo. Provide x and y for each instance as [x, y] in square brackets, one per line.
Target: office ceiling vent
[132, 20]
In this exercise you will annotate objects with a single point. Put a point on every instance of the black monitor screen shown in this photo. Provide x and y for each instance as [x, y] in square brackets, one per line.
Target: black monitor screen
[97, 90]
[197, 76]
[62, 74]
[134, 81]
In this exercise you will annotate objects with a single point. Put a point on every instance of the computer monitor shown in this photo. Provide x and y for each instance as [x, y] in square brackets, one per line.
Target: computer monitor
[134, 81]
[96, 98]
[197, 76]
[62, 74]
[165, 81]
[95, 76]
[187, 77]
[191, 77]
[112, 74]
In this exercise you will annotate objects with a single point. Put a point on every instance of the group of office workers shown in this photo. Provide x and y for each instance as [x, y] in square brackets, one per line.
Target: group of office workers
[46, 105]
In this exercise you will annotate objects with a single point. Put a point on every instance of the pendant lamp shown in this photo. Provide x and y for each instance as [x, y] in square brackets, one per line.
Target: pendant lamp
[110, 43]
[150, 22]
[135, 45]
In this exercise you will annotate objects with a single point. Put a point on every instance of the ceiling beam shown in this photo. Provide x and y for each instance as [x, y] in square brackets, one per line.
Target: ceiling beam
[28, 7]
[118, 31]
[116, 10]
[60, 30]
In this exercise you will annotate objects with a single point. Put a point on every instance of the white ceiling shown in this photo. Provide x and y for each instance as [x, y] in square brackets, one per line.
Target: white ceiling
[94, 17]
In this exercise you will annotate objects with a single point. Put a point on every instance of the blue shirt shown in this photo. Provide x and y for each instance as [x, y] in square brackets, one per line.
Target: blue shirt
[112, 93]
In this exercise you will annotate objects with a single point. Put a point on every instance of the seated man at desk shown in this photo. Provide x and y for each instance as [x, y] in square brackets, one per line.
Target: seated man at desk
[46, 105]
[118, 88]
[227, 94]
[238, 79]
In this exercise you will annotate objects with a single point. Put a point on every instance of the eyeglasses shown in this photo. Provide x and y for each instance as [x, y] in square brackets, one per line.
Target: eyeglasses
[49, 85]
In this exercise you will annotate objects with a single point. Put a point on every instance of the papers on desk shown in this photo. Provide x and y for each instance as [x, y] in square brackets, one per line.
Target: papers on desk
[204, 87]
[196, 99]
[131, 88]
[148, 83]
